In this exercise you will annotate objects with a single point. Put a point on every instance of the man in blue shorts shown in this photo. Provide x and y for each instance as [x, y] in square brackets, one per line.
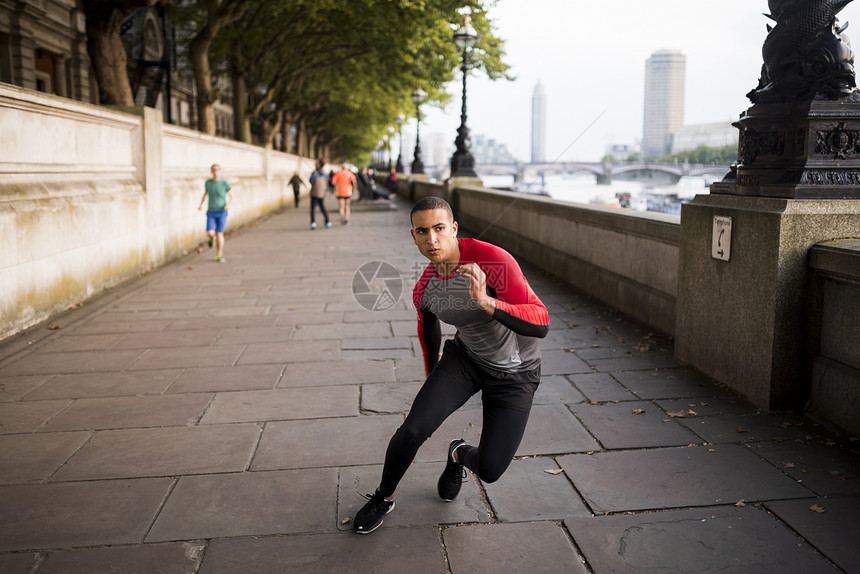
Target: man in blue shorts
[220, 198]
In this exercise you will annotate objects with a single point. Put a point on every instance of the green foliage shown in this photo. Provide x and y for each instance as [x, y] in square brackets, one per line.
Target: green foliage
[345, 68]
[725, 155]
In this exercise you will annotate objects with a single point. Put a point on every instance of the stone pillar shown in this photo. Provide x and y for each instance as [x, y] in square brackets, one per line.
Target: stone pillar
[742, 301]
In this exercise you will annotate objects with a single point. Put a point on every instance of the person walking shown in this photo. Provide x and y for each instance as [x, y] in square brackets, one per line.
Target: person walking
[297, 184]
[220, 198]
[392, 181]
[480, 289]
[345, 182]
[319, 187]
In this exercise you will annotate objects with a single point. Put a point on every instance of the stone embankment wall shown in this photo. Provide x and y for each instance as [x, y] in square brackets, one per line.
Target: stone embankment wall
[91, 197]
[626, 259]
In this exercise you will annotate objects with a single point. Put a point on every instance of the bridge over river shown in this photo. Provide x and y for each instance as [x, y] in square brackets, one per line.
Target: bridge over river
[606, 171]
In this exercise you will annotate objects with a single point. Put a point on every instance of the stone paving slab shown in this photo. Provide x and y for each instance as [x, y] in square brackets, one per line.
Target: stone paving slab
[338, 373]
[676, 477]
[325, 443]
[14, 388]
[93, 385]
[826, 468]
[167, 339]
[527, 492]
[553, 429]
[167, 358]
[248, 504]
[282, 404]
[48, 362]
[390, 550]
[21, 417]
[166, 451]
[634, 424]
[669, 383]
[266, 353]
[416, 501]
[236, 378]
[562, 363]
[532, 547]
[751, 428]
[46, 452]
[79, 514]
[601, 387]
[827, 525]
[176, 558]
[130, 412]
[726, 540]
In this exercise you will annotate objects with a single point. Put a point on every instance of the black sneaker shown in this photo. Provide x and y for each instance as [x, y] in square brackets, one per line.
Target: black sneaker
[211, 242]
[452, 477]
[371, 514]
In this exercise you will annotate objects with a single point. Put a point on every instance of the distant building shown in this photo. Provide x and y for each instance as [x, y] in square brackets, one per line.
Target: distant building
[621, 152]
[665, 77]
[539, 124]
[488, 150]
[712, 135]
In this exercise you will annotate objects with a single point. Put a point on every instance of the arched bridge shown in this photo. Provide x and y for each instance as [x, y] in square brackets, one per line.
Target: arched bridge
[605, 171]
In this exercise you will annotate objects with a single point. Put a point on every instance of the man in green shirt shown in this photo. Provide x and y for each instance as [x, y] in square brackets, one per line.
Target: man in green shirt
[220, 198]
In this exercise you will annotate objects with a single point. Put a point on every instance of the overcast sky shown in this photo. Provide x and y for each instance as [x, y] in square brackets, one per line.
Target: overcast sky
[590, 57]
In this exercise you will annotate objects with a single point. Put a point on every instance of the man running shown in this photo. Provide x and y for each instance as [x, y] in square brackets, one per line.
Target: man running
[480, 289]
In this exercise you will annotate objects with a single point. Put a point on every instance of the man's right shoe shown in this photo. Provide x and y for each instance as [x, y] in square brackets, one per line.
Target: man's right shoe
[451, 479]
[371, 514]
[313, 225]
[327, 224]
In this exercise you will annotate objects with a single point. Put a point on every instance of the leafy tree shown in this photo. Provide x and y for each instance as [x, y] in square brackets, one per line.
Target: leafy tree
[105, 48]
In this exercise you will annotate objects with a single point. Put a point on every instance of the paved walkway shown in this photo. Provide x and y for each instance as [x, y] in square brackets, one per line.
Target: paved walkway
[223, 418]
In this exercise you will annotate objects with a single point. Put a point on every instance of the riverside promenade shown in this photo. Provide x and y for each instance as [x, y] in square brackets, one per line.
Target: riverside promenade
[224, 418]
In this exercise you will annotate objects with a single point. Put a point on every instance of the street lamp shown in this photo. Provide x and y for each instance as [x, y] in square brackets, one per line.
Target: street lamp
[400, 119]
[390, 137]
[462, 162]
[418, 162]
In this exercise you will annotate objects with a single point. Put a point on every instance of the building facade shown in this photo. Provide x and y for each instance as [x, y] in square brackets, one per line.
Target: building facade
[43, 46]
[665, 78]
[539, 124]
[717, 134]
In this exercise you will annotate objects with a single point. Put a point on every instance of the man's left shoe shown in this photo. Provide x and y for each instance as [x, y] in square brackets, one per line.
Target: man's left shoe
[211, 242]
[452, 477]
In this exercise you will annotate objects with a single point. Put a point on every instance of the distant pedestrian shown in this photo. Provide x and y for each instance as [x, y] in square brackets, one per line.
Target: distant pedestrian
[344, 182]
[319, 187]
[220, 198]
[392, 181]
[480, 289]
[297, 184]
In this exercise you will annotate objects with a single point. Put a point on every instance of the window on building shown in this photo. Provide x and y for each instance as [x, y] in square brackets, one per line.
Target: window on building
[5, 59]
[44, 64]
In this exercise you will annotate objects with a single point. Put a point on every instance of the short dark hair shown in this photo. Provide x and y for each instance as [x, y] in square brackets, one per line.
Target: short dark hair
[430, 203]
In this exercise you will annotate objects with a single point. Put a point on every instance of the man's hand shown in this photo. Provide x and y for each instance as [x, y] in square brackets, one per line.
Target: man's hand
[478, 286]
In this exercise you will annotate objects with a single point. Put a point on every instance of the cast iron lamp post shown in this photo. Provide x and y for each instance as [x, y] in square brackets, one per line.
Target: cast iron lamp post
[400, 119]
[418, 163]
[390, 137]
[462, 162]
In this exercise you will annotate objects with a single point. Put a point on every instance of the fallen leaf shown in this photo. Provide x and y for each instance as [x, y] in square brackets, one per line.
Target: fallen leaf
[818, 509]
[740, 503]
[742, 430]
[692, 413]
[788, 465]
[554, 471]
[679, 414]
[638, 411]
[54, 327]
[346, 520]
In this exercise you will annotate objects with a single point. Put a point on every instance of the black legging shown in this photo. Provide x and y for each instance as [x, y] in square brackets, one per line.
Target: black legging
[507, 403]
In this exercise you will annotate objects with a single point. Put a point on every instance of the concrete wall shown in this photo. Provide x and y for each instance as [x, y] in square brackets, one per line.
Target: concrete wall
[835, 292]
[90, 197]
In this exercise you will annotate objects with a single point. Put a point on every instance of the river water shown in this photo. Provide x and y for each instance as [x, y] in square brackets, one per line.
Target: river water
[583, 188]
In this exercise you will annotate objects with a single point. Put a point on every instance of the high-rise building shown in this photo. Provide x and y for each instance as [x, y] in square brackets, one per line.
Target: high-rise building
[665, 75]
[539, 124]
